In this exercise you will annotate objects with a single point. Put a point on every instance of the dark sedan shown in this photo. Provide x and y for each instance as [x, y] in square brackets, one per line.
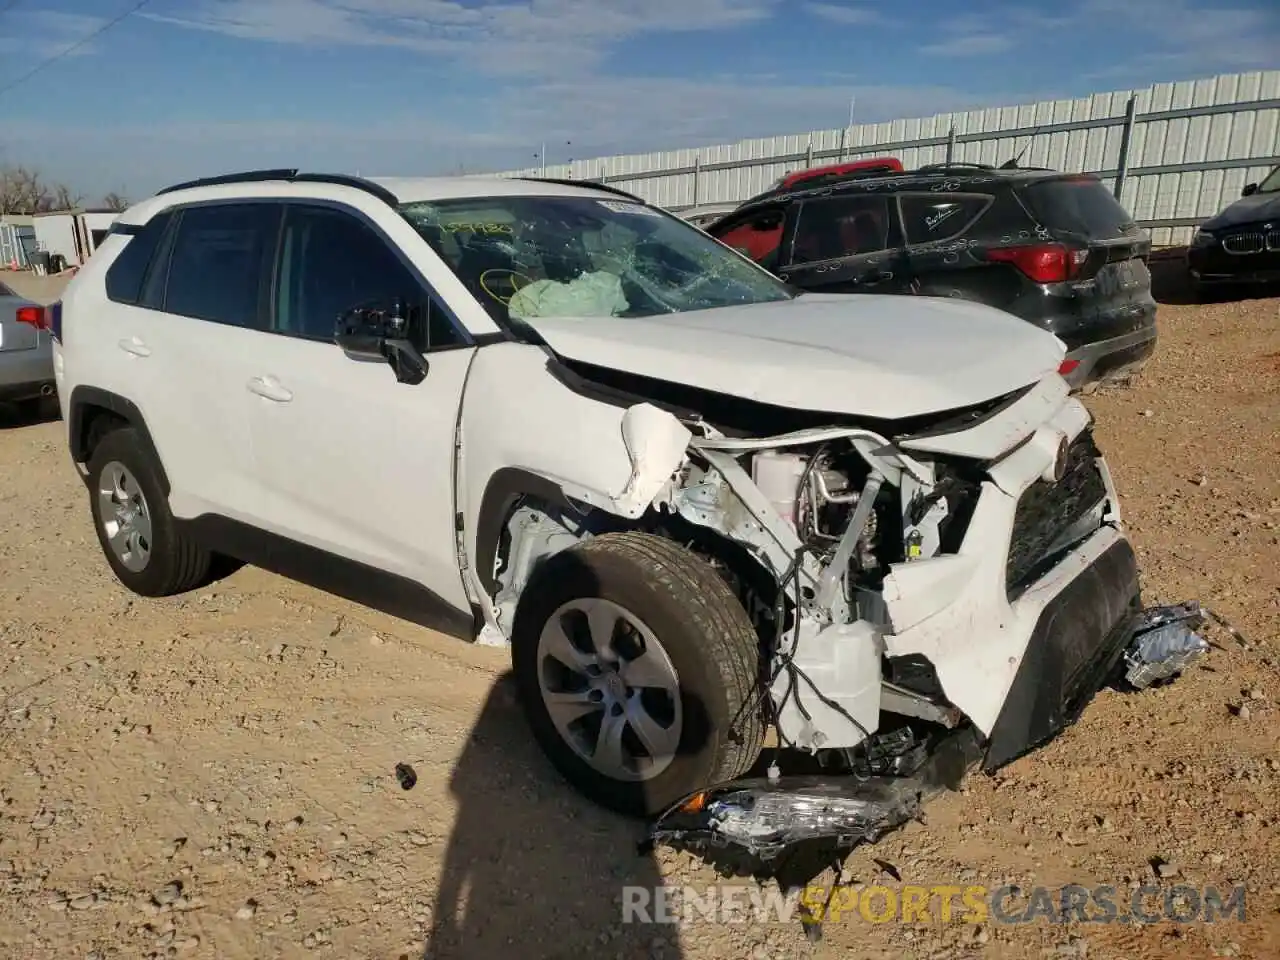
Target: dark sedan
[1241, 245]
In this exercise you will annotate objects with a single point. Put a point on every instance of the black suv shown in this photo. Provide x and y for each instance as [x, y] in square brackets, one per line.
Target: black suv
[1055, 249]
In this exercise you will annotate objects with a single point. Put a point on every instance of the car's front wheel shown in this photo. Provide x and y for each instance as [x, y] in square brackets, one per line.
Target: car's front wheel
[638, 671]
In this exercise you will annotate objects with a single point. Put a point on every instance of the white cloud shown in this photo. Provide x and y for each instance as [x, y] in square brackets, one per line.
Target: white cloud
[541, 37]
[845, 13]
[971, 35]
[626, 110]
[606, 117]
[969, 45]
[1189, 35]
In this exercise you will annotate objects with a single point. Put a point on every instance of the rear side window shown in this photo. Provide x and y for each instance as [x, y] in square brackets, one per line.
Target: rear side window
[835, 227]
[1082, 206]
[126, 273]
[221, 254]
[928, 218]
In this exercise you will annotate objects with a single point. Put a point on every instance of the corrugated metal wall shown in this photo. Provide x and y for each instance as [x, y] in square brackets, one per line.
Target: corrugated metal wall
[1193, 145]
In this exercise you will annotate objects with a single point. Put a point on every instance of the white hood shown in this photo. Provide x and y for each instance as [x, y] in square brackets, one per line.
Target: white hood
[886, 357]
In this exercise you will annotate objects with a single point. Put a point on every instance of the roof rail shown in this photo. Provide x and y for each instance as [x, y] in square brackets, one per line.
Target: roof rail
[564, 181]
[289, 175]
[930, 167]
[248, 176]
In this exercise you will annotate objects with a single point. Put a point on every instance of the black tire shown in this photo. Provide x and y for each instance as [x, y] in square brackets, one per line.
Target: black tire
[176, 563]
[705, 633]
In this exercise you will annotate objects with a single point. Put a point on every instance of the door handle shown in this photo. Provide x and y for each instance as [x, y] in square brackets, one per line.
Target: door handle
[135, 347]
[270, 388]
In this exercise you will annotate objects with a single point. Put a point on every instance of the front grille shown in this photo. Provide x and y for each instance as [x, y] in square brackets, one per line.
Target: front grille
[1252, 241]
[1046, 513]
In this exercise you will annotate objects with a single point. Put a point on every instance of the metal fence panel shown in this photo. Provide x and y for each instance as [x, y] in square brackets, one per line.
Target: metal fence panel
[1193, 145]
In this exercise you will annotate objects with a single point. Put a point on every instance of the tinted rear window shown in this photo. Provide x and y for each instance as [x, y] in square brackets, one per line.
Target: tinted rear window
[124, 276]
[1082, 207]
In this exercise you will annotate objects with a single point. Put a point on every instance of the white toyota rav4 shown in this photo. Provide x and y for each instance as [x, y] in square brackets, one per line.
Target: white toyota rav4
[696, 502]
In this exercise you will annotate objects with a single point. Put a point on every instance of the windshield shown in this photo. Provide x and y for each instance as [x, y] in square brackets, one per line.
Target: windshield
[580, 256]
[1272, 183]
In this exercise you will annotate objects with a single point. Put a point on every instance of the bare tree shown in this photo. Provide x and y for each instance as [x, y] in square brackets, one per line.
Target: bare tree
[115, 202]
[22, 191]
[64, 199]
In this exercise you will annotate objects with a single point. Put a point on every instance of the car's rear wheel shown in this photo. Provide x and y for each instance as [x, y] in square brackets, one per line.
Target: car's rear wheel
[139, 538]
[638, 670]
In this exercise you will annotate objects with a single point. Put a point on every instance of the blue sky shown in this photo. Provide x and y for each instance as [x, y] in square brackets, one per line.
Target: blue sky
[191, 87]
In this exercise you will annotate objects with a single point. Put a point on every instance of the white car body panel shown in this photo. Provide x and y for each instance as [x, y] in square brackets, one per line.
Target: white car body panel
[131, 351]
[356, 463]
[546, 429]
[872, 356]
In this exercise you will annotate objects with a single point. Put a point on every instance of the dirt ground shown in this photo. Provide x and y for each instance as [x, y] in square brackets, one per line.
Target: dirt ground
[213, 775]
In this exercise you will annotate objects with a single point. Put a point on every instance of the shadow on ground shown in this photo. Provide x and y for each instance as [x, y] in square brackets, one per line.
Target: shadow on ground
[532, 869]
[28, 413]
[1171, 284]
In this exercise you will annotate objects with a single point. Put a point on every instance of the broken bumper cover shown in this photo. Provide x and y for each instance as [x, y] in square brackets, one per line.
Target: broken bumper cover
[1078, 640]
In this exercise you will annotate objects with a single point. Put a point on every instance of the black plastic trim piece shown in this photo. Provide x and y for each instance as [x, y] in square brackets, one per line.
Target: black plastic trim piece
[604, 393]
[966, 418]
[290, 175]
[1073, 650]
[125, 229]
[488, 339]
[505, 487]
[15, 393]
[340, 576]
[590, 184]
[86, 399]
[356, 183]
[246, 176]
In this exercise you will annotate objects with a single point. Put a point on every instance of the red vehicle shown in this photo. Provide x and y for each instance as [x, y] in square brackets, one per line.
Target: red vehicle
[838, 171]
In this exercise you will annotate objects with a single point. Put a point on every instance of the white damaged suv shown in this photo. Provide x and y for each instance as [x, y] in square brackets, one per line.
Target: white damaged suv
[695, 502]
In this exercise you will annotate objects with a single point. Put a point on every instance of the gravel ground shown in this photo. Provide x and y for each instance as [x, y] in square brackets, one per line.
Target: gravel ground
[213, 775]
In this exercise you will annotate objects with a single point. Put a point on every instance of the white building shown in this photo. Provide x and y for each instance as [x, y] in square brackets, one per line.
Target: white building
[74, 234]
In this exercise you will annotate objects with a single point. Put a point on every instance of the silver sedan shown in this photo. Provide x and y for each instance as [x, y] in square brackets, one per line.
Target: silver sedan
[26, 352]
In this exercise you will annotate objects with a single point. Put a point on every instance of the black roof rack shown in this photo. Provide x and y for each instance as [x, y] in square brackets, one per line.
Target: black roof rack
[289, 175]
[930, 167]
[595, 184]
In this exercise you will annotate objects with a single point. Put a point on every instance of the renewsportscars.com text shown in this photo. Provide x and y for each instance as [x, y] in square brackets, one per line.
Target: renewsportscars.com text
[946, 903]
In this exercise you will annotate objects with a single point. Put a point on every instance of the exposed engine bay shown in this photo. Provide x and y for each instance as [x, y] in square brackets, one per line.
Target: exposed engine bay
[828, 513]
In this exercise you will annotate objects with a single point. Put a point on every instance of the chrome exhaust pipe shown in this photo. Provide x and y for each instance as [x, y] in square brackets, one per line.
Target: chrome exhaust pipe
[47, 390]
